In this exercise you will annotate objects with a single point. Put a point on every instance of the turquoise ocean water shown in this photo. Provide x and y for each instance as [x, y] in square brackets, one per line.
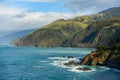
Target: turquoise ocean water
[25, 63]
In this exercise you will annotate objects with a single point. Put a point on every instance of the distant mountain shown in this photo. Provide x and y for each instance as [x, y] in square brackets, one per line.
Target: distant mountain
[3, 33]
[82, 31]
[13, 35]
[88, 19]
[115, 11]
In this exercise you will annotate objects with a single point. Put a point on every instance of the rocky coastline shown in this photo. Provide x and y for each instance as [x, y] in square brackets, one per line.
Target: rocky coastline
[108, 56]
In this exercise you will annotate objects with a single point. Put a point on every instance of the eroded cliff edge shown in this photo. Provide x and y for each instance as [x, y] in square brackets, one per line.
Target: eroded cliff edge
[104, 56]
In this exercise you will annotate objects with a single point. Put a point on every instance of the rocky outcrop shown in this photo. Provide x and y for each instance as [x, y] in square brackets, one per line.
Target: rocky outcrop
[104, 56]
[72, 63]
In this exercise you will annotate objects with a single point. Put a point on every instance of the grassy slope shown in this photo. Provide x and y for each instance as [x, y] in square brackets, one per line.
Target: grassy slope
[67, 27]
[96, 34]
[52, 35]
[72, 29]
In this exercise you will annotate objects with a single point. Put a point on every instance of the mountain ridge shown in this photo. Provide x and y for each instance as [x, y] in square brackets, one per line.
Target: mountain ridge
[15, 34]
[47, 36]
[95, 34]
[67, 30]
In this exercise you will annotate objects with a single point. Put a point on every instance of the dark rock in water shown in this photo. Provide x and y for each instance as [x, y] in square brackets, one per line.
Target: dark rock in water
[80, 59]
[70, 57]
[63, 56]
[72, 63]
[84, 69]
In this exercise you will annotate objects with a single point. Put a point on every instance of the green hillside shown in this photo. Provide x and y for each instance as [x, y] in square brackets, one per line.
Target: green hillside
[97, 34]
[82, 31]
[52, 35]
[67, 27]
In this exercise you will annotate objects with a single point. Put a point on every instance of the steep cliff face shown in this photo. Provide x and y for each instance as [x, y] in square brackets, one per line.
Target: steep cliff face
[106, 55]
[97, 34]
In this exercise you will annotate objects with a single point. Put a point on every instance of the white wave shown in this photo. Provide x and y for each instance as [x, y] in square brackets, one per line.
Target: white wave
[62, 58]
[104, 68]
[73, 68]
[60, 64]
[57, 58]
[60, 61]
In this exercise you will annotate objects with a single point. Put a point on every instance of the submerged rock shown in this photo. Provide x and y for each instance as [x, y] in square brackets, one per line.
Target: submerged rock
[84, 69]
[70, 57]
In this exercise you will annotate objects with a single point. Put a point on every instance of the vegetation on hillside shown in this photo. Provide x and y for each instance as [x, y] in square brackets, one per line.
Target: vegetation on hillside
[82, 31]
[104, 56]
[51, 35]
[97, 34]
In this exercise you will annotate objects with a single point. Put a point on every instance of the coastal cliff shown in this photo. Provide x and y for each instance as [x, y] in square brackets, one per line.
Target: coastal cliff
[97, 34]
[108, 56]
[104, 56]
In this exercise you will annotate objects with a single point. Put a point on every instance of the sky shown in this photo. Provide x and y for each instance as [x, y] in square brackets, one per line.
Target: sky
[29, 14]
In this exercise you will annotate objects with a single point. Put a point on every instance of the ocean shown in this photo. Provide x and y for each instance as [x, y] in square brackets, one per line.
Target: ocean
[31, 63]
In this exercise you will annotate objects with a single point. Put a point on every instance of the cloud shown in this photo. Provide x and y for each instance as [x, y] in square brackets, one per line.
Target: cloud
[18, 19]
[4, 10]
[91, 5]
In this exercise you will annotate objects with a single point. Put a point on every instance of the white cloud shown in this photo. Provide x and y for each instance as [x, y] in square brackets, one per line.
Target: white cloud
[17, 19]
[4, 10]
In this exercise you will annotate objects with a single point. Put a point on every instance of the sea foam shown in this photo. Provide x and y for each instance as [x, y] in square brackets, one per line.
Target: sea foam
[60, 61]
[62, 58]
